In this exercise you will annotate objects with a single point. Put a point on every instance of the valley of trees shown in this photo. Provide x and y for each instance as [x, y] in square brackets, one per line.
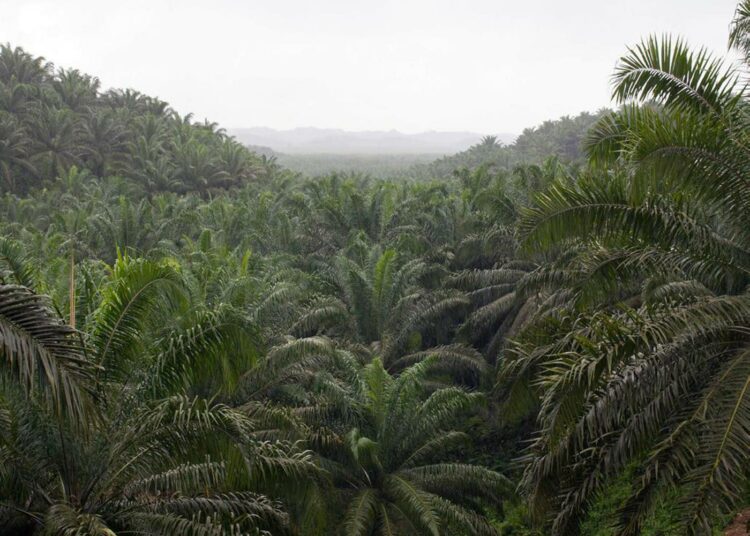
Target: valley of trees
[551, 338]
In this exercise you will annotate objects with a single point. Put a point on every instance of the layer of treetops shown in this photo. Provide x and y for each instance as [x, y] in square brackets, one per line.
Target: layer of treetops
[549, 338]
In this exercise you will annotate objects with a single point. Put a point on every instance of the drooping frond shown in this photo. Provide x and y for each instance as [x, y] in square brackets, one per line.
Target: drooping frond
[137, 288]
[40, 351]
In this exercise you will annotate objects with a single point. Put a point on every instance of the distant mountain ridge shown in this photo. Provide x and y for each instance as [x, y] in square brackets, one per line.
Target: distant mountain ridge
[310, 140]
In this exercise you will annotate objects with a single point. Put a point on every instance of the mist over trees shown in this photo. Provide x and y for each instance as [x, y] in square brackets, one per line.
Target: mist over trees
[543, 338]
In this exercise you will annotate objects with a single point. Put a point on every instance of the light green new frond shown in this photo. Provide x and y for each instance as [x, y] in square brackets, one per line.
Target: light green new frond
[137, 289]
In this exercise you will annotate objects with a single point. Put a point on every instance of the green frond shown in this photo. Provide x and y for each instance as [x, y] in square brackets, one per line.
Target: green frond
[322, 315]
[666, 70]
[441, 445]
[461, 480]
[40, 351]
[716, 485]
[415, 502]
[63, 519]
[739, 30]
[17, 266]
[461, 519]
[137, 289]
[361, 514]
[456, 359]
[220, 344]
[185, 478]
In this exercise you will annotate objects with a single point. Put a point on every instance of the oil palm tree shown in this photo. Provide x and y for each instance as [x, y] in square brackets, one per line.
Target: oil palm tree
[16, 170]
[375, 302]
[16, 63]
[77, 91]
[104, 145]
[57, 144]
[154, 455]
[392, 459]
[646, 363]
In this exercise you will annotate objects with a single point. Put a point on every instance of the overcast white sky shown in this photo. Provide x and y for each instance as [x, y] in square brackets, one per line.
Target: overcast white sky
[411, 65]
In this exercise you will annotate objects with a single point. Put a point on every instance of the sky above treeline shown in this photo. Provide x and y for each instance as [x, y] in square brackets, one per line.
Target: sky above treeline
[486, 66]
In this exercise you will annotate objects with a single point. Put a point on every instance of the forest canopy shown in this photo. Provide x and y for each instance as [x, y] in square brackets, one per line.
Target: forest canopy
[546, 338]
[53, 119]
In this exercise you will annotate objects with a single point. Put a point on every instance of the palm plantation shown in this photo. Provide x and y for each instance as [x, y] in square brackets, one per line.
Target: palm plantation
[546, 337]
[645, 362]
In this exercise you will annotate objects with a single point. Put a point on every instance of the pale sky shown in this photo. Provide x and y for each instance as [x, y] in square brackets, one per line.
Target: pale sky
[412, 65]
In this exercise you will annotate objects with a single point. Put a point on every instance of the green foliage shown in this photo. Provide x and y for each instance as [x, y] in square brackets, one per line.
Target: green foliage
[527, 345]
[639, 364]
[281, 358]
[561, 139]
[52, 121]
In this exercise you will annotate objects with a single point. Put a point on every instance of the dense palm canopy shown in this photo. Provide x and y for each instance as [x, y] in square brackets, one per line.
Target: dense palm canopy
[152, 454]
[53, 119]
[182, 363]
[645, 362]
[194, 340]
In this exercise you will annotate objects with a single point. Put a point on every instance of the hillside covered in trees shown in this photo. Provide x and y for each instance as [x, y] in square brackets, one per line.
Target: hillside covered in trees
[561, 139]
[53, 119]
[197, 341]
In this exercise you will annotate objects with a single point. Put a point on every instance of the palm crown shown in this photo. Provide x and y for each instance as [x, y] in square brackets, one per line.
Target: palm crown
[645, 360]
[390, 457]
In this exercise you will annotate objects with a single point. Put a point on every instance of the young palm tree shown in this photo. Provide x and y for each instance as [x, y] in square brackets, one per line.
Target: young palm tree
[392, 459]
[375, 301]
[646, 363]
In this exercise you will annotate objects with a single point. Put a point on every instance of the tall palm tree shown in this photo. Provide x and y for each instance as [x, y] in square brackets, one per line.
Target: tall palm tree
[77, 91]
[16, 63]
[646, 363]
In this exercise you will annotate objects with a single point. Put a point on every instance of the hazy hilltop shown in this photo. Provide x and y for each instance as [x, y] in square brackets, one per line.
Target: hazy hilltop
[312, 140]
[425, 156]
[560, 138]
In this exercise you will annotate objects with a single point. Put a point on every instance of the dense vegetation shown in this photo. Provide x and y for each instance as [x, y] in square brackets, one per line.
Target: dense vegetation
[198, 343]
[377, 166]
[561, 139]
[52, 119]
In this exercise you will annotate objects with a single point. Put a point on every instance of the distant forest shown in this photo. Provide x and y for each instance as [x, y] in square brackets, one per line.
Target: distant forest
[561, 139]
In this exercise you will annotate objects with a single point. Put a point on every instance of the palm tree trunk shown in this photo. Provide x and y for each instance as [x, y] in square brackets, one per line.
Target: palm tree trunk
[72, 289]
